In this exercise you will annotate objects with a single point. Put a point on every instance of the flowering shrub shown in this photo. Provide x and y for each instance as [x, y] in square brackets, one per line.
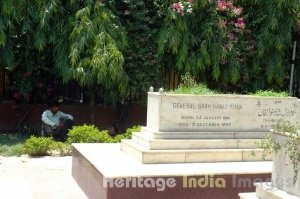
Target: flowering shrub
[237, 41]
[182, 7]
[29, 84]
[231, 21]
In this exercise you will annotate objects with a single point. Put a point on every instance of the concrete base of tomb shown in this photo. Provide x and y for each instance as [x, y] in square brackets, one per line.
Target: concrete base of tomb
[267, 191]
[206, 147]
[282, 186]
[104, 171]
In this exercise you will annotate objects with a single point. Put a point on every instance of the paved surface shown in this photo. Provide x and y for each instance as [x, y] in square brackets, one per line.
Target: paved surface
[38, 178]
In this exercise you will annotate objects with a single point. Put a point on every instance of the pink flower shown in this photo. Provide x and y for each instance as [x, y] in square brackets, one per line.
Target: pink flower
[231, 36]
[49, 89]
[240, 20]
[240, 23]
[229, 4]
[222, 5]
[222, 23]
[27, 74]
[27, 96]
[237, 11]
[17, 95]
[126, 12]
[40, 85]
[241, 60]
[176, 6]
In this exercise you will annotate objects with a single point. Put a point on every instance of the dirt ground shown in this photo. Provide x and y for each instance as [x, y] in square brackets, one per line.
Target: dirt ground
[38, 178]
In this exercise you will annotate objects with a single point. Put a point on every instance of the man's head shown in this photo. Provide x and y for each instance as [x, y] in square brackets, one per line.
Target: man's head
[53, 106]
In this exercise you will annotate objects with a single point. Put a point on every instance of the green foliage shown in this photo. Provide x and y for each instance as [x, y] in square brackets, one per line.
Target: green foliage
[11, 145]
[127, 134]
[290, 146]
[270, 93]
[11, 150]
[106, 46]
[91, 134]
[142, 63]
[14, 150]
[60, 148]
[273, 32]
[188, 85]
[40, 146]
[233, 45]
[267, 144]
[286, 126]
[87, 134]
[188, 80]
[111, 47]
[96, 41]
[76, 40]
[37, 146]
[200, 89]
[129, 131]
[89, 48]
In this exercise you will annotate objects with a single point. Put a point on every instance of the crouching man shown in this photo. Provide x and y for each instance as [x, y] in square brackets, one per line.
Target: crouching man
[55, 122]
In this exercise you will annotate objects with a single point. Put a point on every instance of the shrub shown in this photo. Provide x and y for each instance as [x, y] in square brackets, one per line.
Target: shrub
[270, 93]
[91, 134]
[127, 134]
[60, 148]
[37, 146]
[290, 145]
[189, 85]
[87, 134]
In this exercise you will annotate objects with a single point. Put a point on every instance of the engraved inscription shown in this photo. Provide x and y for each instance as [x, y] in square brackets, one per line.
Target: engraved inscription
[184, 105]
[231, 114]
[205, 120]
[270, 116]
[276, 112]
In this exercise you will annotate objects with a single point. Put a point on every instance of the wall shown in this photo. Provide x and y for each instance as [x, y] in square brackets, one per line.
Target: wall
[105, 116]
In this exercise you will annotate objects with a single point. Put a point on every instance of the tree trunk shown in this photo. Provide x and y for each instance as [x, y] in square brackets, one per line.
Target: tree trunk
[92, 96]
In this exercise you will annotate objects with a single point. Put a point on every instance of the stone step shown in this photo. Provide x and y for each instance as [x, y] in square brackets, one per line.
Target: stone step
[155, 144]
[251, 195]
[147, 156]
[202, 135]
[265, 190]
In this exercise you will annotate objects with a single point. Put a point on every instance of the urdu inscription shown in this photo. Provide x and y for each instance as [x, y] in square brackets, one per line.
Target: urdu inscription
[221, 115]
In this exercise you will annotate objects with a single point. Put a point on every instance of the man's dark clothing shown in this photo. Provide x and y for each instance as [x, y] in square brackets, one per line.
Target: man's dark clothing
[59, 133]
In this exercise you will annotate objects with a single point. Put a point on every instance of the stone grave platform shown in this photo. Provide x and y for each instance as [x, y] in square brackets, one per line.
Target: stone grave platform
[219, 128]
[103, 171]
[192, 147]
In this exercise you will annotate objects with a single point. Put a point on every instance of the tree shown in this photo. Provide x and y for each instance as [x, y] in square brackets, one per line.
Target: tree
[95, 55]
[235, 44]
[77, 40]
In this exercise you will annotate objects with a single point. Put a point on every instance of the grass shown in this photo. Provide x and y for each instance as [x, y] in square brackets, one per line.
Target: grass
[11, 144]
[270, 93]
[200, 89]
[196, 89]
